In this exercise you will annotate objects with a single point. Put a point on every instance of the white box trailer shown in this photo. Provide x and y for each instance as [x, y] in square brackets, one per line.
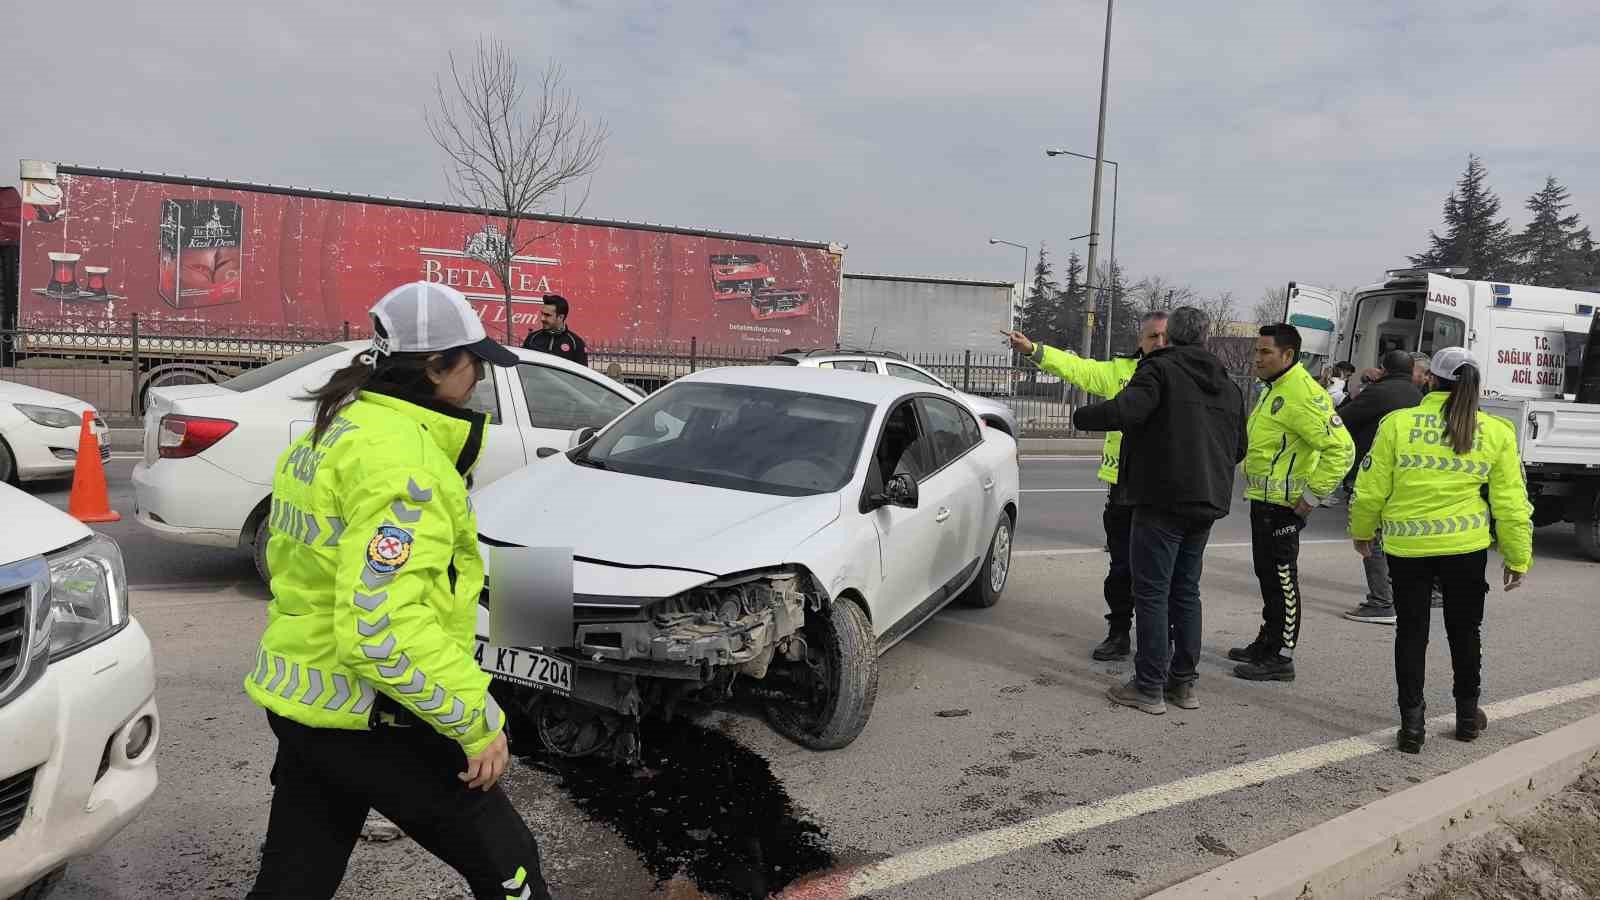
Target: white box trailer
[918, 316]
[1529, 343]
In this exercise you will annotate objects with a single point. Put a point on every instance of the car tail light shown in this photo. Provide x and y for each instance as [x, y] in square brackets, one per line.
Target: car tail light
[184, 436]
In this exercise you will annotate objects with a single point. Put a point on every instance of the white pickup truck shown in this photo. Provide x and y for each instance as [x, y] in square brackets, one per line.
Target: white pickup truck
[1537, 347]
[78, 720]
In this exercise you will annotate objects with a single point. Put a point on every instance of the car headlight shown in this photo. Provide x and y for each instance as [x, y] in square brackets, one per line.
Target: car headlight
[49, 416]
[88, 595]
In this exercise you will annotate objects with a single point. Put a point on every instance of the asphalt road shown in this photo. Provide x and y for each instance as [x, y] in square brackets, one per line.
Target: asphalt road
[1041, 789]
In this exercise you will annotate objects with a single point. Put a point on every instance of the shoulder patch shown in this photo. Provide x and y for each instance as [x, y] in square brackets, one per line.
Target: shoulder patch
[1277, 404]
[1335, 421]
[1366, 462]
[389, 549]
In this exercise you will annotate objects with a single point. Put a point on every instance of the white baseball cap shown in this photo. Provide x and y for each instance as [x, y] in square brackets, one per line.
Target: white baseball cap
[1447, 361]
[423, 317]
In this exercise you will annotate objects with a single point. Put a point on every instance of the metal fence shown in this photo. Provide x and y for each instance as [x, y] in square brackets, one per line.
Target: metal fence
[113, 364]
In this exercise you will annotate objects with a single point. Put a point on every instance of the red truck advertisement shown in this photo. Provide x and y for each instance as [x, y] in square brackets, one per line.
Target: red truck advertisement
[104, 245]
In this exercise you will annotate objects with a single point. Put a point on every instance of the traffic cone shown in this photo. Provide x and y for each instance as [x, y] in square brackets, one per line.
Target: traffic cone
[89, 501]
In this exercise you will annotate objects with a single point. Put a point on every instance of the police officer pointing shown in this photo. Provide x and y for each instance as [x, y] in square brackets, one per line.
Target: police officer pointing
[366, 669]
[1299, 452]
[1422, 488]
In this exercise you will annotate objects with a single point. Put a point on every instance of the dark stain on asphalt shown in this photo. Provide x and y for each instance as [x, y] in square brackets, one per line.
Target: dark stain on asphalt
[704, 807]
[1213, 845]
[990, 771]
[976, 802]
[1084, 752]
[1004, 736]
[1124, 874]
[1066, 847]
[1009, 815]
[1013, 689]
[1046, 680]
[1022, 755]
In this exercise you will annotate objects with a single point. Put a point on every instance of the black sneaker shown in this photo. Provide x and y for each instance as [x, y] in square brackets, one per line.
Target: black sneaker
[1373, 615]
[1115, 646]
[1471, 721]
[1273, 668]
[1255, 651]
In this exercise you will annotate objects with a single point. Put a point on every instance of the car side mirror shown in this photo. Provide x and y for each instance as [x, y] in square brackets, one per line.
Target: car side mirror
[545, 452]
[581, 437]
[901, 491]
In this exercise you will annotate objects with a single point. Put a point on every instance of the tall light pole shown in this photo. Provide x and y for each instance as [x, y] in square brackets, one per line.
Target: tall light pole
[1024, 284]
[1116, 179]
[1094, 204]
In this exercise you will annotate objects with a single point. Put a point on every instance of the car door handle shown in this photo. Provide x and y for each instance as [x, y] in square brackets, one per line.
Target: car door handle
[944, 513]
[988, 484]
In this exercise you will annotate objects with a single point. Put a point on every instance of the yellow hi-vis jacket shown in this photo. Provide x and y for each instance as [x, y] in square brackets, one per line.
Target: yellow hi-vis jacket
[1102, 378]
[1299, 448]
[1428, 500]
[376, 574]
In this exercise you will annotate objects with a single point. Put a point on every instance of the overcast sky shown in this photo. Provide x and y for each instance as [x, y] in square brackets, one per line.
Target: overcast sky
[1261, 142]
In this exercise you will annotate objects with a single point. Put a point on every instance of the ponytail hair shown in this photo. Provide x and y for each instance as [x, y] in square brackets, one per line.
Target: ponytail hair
[1461, 408]
[404, 375]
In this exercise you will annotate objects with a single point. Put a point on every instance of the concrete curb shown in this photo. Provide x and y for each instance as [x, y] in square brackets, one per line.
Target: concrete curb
[132, 440]
[1376, 846]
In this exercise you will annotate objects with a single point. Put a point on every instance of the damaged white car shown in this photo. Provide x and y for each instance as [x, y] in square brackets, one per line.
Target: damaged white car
[763, 532]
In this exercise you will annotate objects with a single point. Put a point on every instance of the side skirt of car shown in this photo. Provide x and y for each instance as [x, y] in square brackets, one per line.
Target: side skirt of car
[930, 607]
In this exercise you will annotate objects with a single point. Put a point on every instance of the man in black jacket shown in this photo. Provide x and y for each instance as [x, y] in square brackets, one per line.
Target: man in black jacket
[554, 337]
[1183, 436]
[1396, 390]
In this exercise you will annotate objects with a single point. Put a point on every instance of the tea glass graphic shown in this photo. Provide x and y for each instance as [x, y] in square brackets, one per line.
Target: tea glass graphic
[95, 280]
[63, 275]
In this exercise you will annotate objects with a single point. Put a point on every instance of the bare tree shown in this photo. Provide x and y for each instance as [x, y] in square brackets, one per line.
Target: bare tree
[512, 148]
[1158, 293]
[1269, 309]
[1219, 310]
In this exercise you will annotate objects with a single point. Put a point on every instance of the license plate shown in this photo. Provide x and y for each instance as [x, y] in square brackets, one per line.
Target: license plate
[525, 667]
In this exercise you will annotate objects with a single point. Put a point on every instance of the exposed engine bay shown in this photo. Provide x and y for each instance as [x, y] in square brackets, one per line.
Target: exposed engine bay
[692, 647]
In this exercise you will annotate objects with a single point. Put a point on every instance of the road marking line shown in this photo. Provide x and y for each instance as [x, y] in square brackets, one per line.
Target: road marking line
[1063, 490]
[127, 456]
[937, 859]
[1093, 459]
[1074, 551]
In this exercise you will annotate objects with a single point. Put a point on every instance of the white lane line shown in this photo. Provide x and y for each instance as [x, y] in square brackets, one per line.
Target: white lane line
[127, 456]
[1075, 551]
[1063, 490]
[1093, 459]
[986, 845]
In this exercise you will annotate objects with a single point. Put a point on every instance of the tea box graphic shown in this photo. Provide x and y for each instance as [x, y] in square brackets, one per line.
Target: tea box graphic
[201, 246]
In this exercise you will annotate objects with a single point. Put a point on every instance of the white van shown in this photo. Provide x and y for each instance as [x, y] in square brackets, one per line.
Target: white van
[78, 720]
[1530, 344]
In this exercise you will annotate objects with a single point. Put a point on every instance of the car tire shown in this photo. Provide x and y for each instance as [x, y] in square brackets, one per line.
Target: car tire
[44, 887]
[986, 589]
[842, 640]
[8, 464]
[1587, 525]
[258, 549]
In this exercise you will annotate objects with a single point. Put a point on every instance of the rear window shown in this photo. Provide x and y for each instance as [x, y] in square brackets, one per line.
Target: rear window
[267, 374]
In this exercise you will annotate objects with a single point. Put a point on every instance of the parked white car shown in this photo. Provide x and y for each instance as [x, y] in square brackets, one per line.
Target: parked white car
[78, 719]
[767, 528]
[991, 412]
[209, 449]
[39, 433]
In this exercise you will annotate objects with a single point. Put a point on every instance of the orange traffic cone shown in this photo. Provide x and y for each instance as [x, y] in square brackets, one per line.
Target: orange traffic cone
[89, 501]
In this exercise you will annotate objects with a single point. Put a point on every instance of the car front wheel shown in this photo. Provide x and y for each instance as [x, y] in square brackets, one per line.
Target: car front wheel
[258, 549]
[986, 589]
[835, 685]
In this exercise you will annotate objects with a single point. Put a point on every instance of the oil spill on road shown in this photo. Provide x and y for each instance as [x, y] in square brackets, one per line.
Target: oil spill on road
[706, 808]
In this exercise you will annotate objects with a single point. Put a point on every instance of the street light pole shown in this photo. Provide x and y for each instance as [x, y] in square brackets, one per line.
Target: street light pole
[1116, 180]
[1024, 285]
[1094, 205]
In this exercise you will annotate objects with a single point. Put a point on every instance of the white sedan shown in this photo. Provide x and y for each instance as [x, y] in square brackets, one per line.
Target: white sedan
[768, 529]
[39, 433]
[209, 449]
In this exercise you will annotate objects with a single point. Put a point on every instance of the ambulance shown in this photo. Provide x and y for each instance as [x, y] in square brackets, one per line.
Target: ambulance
[1531, 345]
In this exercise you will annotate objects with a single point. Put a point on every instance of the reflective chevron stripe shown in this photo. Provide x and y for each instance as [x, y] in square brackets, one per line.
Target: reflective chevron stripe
[1430, 527]
[519, 883]
[1443, 464]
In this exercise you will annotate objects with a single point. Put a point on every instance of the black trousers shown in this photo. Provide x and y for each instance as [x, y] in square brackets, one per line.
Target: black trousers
[1462, 580]
[1118, 521]
[1275, 547]
[325, 780]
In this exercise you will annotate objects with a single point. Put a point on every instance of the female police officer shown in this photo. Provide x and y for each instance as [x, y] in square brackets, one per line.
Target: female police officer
[1423, 484]
[366, 669]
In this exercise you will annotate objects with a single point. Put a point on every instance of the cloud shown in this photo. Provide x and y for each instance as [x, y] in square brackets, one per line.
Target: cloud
[1259, 143]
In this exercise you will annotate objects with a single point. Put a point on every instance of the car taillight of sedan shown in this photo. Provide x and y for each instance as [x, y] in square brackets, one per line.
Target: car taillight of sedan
[184, 436]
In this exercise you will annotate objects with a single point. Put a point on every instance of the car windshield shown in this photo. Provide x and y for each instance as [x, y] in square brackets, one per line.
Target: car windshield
[737, 437]
[249, 381]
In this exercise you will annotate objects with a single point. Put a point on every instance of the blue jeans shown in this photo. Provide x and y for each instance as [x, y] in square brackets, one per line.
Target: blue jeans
[1166, 554]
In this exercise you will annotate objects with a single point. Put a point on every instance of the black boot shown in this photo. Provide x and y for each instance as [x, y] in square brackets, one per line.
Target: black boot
[1471, 720]
[1115, 646]
[1255, 651]
[1413, 729]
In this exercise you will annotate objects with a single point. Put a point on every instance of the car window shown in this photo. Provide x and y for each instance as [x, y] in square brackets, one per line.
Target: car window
[666, 428]
[565, 401]
[485, 398]
[902, 450]
[852, 365]
[916, 375]
[249, 381]
[951, 431]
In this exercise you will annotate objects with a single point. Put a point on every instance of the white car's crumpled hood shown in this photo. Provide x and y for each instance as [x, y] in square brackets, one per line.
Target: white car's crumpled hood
[627, 520]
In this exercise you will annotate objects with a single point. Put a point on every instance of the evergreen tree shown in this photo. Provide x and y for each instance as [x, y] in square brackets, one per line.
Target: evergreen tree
[1038, 307]
[1473, 236]
[1066, 326]
[1554, 250]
